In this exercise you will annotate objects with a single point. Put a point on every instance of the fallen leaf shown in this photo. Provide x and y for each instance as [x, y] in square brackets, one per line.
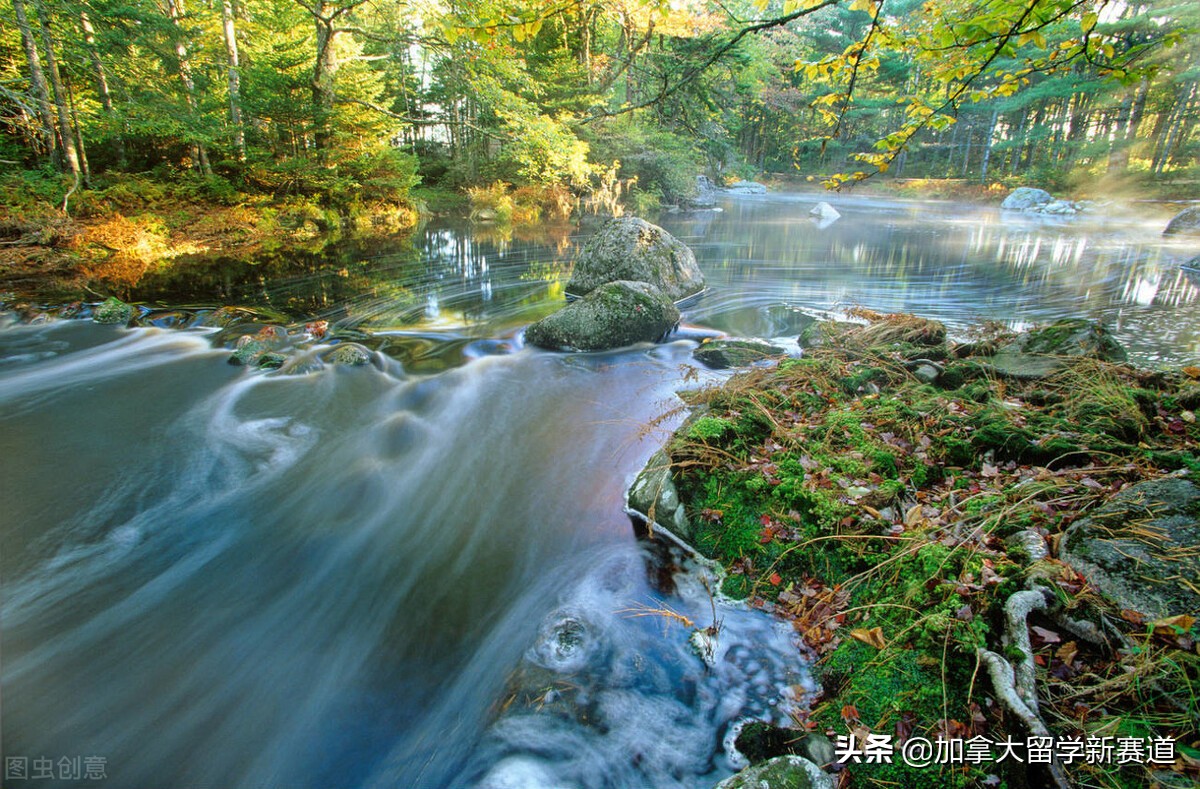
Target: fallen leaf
[1173, 625]
[775, 579]
[1192, 372]
[1067, 652]
[1047, 636]
[873, 637]
[850, 713]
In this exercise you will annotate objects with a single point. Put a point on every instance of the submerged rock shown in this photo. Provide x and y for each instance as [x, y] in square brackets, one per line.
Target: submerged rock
[1186, 222]
[113, 311]
[1138, 549]
[1045, 350]
[720, 354]
[782, 772]
[746, 188]
[824, 212]
[1026, 198]
[632, 249]
[611, 316]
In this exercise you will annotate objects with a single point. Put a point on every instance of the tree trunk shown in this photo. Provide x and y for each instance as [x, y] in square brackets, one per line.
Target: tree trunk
[102, 89]
[175, 10]
[324, 71]
[235, 101]
[78, 130]
[1118, 149]
[37, 80]
[987, 146]
[66, 134]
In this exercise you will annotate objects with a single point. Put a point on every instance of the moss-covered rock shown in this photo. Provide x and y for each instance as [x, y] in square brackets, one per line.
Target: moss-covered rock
[628, 248]
[1045, 350]
[613, 315]
[782, 772]
[721, 354]
[349, 354]
[1139, 547]
[113, 311]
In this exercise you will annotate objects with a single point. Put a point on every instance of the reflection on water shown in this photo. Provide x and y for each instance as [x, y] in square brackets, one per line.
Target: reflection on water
[955, 263]
[770, 268]
[418, 573]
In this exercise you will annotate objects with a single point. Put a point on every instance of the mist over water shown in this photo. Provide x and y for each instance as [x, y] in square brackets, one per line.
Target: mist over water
[419, 573]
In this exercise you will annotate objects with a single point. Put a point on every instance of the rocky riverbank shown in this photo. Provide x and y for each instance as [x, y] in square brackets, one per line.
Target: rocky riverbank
[990, 539]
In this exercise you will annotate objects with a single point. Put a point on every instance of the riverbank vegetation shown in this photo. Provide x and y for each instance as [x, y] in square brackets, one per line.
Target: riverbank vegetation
[343, 106]
[892, 496]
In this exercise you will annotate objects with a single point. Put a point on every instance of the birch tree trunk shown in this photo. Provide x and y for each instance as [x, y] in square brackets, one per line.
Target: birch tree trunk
[235, 101]
[37, 80]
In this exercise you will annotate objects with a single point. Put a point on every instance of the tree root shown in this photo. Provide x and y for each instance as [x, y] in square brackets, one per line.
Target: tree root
[1016, 685]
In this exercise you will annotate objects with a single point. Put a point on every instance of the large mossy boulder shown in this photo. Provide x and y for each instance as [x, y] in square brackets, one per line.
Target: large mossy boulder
[1045, 350]
[1026, 198]
[1186, 222]
[612, 315]
[782, 772]
[722, 354]
[632, 249]
[1139, 549]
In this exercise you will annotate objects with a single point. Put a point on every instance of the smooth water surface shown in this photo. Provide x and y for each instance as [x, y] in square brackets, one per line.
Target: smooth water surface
[419, 572]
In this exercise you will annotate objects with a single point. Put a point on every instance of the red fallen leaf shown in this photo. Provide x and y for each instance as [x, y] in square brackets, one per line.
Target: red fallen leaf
[850, 714]
[775, 579]
[1176, 426]
[765, 520]
[316, 329]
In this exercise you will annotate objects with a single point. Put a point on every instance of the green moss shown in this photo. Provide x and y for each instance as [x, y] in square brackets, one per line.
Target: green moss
[710, 428]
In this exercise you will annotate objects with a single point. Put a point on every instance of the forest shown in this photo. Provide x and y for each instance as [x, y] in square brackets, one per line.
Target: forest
[347, 104]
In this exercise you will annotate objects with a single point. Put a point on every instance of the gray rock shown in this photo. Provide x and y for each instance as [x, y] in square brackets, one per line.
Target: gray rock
[1045, 350]
[1137, 548]
[1059, 208]
[746, 188]
[628, 248]
[782, 772]
[653, 496]
[350, 354]
[1027, 546]
[1186, 222]
[611, 316]
[926, 373]
[720, 354]
[113, 311]
[1026, 198]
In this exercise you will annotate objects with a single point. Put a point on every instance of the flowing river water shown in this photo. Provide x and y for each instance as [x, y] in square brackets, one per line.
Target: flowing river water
[419, 573]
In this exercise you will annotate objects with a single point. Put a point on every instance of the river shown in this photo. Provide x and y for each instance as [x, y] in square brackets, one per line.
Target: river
[419, 573]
